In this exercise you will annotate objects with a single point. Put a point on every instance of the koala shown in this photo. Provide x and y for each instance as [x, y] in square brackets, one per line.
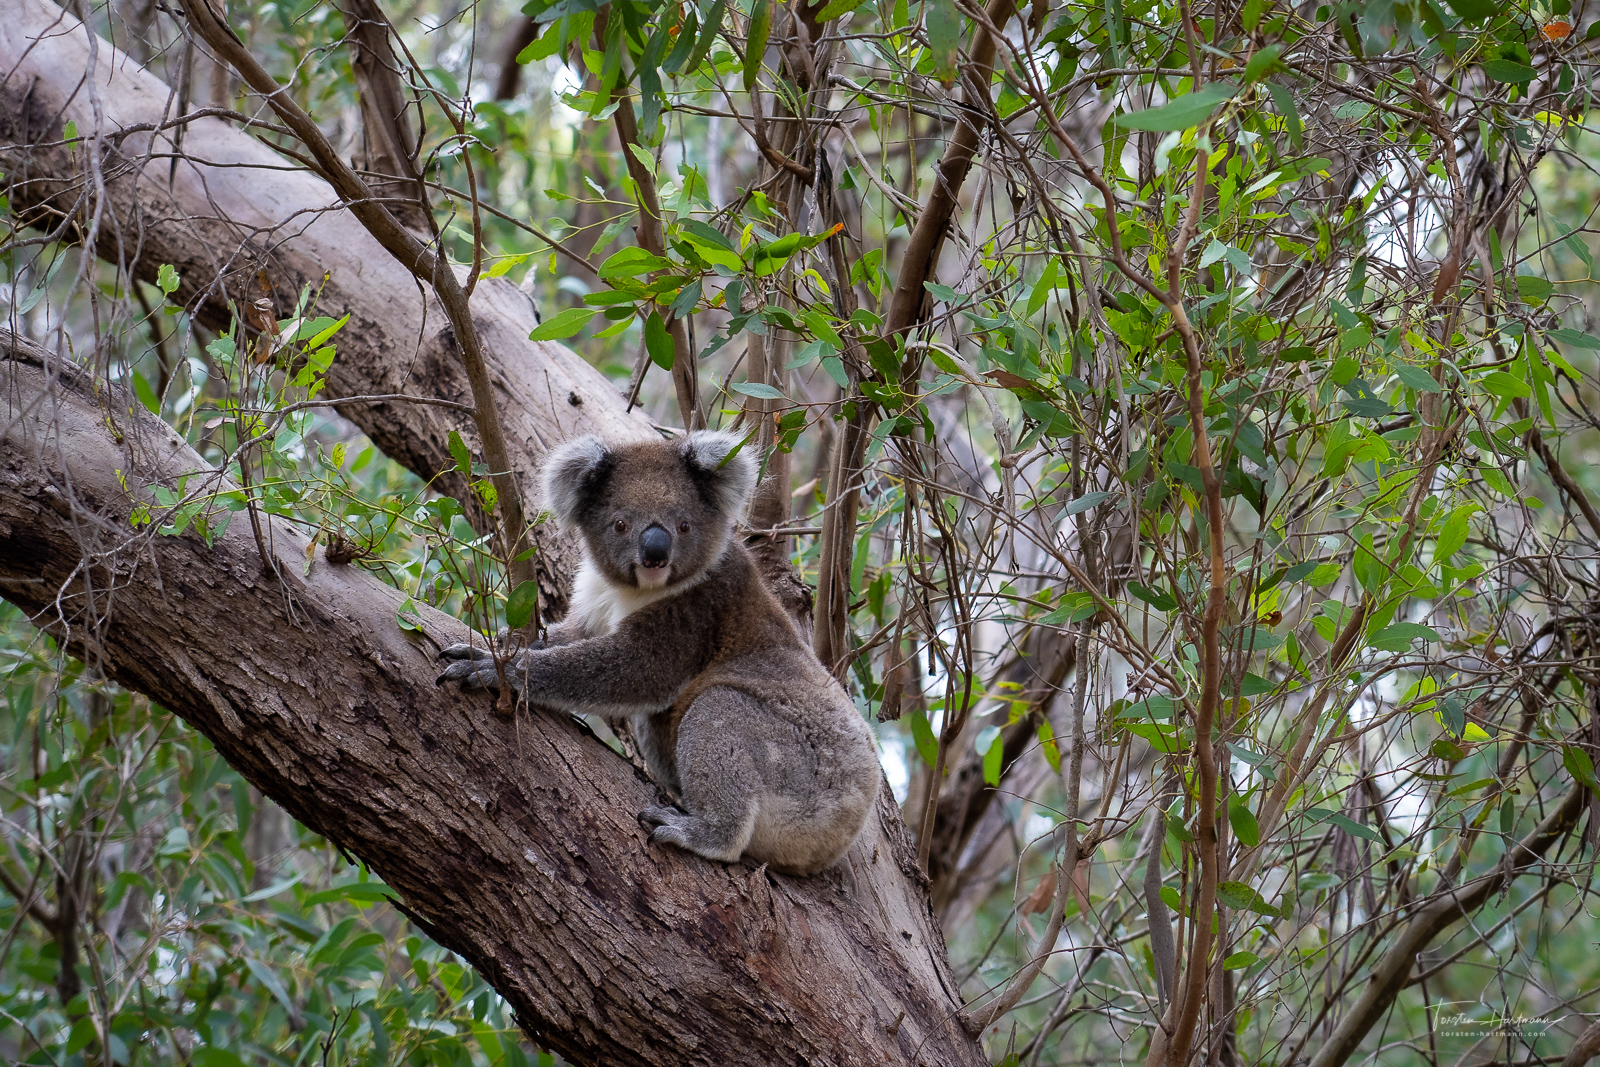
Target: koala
[673, 630]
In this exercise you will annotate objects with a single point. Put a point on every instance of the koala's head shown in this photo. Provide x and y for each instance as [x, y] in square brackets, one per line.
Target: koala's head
[652, 513]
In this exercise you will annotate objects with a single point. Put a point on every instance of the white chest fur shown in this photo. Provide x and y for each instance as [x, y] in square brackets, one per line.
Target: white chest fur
[603, 605]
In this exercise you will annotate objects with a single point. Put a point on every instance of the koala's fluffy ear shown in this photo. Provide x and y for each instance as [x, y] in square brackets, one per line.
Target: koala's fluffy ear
[729, 481]
[571, 472]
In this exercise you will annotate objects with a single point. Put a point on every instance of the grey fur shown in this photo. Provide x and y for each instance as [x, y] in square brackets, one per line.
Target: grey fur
[731, 710]
[565, 469]
[707, 450]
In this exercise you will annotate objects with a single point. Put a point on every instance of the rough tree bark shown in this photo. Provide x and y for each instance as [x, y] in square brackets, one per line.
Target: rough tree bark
[514, 844]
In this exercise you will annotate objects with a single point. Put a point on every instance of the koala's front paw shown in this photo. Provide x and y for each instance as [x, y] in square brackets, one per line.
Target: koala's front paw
[473, 667]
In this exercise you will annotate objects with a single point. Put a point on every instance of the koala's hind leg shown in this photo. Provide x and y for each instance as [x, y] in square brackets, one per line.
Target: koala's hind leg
[721, 786]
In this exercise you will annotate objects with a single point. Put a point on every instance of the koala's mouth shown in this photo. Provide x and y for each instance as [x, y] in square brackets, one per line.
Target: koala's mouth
[652, 575]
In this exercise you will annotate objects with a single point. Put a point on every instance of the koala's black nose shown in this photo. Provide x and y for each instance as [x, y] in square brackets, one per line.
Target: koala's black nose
[655, 546]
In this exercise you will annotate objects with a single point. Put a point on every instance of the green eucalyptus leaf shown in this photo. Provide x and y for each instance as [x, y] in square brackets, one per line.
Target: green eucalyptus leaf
[1243, 821]
[521, 604]
[459, 453]
[1506, 70]
[658, 341]
[708, 35]
[562, 326]
[1188, 110]
[943, 22]
[1241, 897]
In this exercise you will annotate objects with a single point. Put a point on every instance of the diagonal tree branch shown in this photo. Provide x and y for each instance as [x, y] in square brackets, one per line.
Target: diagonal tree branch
[391, 143]
[933, 221]
[1585, 1048]
[520, 34]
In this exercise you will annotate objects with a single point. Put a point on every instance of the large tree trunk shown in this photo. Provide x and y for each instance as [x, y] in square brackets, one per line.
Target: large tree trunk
[514, 844]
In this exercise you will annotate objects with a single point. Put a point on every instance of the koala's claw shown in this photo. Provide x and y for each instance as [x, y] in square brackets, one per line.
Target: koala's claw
[691, 833]
[473, 667]
[667, 826]
[659, 816]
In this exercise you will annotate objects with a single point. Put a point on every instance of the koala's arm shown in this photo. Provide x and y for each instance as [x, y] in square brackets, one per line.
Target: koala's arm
[638, 669]
[621, 674]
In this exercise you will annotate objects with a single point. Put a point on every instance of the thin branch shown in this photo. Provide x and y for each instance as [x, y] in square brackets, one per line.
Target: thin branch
[423, 260]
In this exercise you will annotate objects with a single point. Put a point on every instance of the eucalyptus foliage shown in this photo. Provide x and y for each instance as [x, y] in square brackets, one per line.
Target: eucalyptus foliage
[1218, 493]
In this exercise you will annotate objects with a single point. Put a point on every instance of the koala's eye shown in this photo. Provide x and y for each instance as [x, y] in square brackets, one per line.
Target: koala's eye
[621, 526]
[683, 527]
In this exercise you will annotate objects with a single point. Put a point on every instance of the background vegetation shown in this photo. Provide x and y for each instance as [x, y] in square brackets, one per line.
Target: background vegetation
[1257, 508]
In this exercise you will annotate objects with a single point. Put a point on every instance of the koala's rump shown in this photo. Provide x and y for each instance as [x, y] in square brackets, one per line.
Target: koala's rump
[782, 735]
